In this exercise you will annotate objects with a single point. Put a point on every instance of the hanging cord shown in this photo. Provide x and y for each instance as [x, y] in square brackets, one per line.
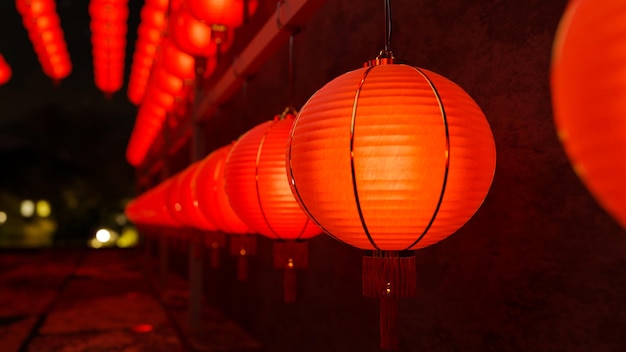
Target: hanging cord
[386, 52]
[293, 30]
[292, 77]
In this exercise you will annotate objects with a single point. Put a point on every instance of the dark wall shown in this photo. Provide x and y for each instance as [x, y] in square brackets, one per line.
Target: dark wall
[540, 267]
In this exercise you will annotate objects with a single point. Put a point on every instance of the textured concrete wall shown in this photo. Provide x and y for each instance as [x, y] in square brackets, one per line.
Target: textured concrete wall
[539, 267]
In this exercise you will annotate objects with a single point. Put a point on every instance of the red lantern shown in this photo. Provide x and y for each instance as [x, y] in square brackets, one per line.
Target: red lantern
[177, 62]
[258, 191]
[390, 158]
[5, 71]
[186, 210]
[108, 37]
[228, 13]
[589, 97]
[213, 202]
[191, 35]
[43, 25]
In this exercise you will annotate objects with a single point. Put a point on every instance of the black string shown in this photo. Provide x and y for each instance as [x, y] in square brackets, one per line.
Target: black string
[291, 72]
[388, 27]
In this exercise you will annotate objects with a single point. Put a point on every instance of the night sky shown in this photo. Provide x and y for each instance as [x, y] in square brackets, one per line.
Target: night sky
[66, 139]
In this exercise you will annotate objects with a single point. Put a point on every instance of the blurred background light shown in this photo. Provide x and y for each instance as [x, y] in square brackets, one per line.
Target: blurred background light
[43, 208]
[27, 208]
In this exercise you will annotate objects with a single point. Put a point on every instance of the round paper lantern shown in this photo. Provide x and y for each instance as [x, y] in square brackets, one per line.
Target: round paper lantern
[5, 71]
[588, 81]
[191, 35]
[221, 12]
[390, 158]
[258, 190]
[213, 202]
[213, 239]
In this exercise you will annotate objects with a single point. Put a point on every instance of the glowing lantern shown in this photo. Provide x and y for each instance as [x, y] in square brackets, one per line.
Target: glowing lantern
[588, 82]
[258, 190]
[5, 71]
[188, 212]
[228, 13]
[213, 202]
[390, 158]
[108, 37]
[191, 35]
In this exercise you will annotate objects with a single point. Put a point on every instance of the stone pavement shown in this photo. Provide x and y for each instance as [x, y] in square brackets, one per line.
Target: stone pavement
[100, 300]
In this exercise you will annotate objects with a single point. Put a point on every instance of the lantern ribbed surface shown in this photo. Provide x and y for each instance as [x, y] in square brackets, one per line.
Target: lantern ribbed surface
[189, 204]
[588, 81]
[211, 195]
[150, 208]
[257, 184]
[422, 151]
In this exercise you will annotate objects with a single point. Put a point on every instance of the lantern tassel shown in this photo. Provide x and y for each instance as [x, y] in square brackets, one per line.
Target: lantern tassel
[389, 323]
[289, 284]
[289, 256]
[389, 276]
[215, 240]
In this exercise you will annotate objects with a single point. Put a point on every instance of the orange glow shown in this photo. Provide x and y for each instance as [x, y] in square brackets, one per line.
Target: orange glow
[367, 157]
[588, 81]
[257, 186]
[143, 328]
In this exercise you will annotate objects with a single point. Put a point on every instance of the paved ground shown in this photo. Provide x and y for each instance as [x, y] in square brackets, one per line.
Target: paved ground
[101, 300]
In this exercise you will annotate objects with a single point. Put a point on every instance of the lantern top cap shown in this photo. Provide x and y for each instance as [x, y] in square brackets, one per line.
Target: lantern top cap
[289, 113]
[385, 57]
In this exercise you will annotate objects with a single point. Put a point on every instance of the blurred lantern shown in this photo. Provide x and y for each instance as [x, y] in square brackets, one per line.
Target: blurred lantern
[148, 124]
[390, 158]
[213, 238]
[150, 208]
[5, 71]
[108, 40]
[222, 13]
[213, 202]
[588, 82]
[222, 17]
[258, 191]
[44, 31]
[149, 33]
[191, 35]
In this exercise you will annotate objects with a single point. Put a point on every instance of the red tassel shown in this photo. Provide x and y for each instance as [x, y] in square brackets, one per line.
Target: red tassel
[215, 241]
[389, 323]
[289, 256]
[242, 246]
[242, 266]
[289, 284]
[389, 277]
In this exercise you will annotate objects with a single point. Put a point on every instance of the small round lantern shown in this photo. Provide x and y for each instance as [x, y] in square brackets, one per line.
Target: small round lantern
[213, 202]
[588, 81]
[5, 71]
[259, 192]
[390, 158]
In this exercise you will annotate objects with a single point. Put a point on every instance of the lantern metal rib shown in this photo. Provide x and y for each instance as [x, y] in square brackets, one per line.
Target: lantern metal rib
[447, 166]
[352, 171]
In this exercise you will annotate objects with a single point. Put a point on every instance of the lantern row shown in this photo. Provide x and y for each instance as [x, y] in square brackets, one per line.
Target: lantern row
[5, 71]
[108, 42]
[387, 182]
[44, 30]
[166, 63]
[392, 158]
